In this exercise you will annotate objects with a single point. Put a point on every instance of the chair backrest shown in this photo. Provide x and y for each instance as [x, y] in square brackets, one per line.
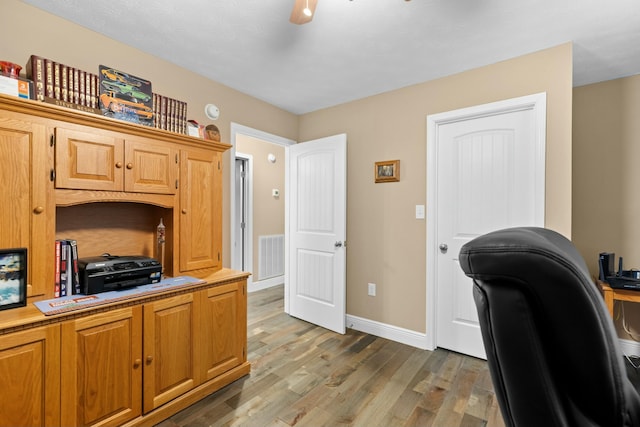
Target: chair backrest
[552, 350]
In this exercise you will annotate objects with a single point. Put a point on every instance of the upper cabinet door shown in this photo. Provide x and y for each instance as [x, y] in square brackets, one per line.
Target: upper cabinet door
[101, 161]
[200, 210]
[150, 167]
[89, 160]
[28, 210]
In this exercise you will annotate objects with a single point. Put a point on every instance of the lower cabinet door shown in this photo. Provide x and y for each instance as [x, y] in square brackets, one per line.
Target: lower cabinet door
[169, 364]
[224, 328]
[101, 368]
[30, 390]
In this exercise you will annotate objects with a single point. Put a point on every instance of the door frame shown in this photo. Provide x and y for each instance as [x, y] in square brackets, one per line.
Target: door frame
[238, 129]
[537, 103]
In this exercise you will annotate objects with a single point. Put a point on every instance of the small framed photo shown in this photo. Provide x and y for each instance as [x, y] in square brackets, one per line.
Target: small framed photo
[13, 278]
[388, 171]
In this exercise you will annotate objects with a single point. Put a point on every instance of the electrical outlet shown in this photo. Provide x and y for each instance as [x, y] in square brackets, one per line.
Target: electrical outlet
[371, 291]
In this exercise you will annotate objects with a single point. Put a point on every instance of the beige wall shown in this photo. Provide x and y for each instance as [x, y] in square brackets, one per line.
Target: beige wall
[35, 32]
[606, 196]
[268, 211]
[386, 244]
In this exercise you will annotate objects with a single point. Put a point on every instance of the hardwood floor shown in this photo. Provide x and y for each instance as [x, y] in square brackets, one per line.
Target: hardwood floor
[304, 375]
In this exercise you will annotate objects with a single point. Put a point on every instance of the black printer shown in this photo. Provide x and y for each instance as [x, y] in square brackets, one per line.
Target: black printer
[109, 272]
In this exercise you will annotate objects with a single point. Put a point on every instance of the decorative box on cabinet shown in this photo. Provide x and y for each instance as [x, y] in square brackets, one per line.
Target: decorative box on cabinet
[91, 160]
[28, 210]
[30, 392]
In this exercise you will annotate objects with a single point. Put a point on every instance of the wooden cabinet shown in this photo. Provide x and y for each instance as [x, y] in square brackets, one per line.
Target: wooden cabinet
[108, 161]
[169, 349]
[224, 328]
[28, 210]
[30, 391]
[119, 365]
[102, 368]
[200, 210]
[73, 175]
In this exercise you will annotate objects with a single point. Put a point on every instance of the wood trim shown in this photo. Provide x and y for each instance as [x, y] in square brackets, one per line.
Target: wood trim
[77, 197]
[54, 112]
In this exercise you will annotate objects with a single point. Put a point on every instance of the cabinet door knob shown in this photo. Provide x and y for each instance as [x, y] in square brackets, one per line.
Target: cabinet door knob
[119, 165]
[184, 211]
[38, 209]
[129, 165]
[137, 363]
[149, 359]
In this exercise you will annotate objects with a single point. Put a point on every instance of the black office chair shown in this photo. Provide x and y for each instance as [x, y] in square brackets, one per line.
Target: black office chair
[552, 350]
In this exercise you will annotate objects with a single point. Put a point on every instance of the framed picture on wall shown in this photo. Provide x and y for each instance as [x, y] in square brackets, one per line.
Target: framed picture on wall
[387, 171]
[13, 278]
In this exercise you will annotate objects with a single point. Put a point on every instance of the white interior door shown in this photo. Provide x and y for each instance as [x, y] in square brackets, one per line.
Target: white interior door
[315, 278]
[488, 174]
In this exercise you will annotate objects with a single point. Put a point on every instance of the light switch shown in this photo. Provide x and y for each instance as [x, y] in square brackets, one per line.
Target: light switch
[419, 211]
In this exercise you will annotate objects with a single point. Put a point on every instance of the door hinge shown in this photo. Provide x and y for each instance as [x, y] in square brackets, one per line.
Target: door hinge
[218, 256]
[243, 174]
[176, 159]
[52, 175]
[243, 225]
[52, 140]
[218, 164]
[176, 184]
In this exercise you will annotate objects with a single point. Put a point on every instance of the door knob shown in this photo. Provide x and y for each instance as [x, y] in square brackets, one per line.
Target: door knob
[443, 248]
[337, 244]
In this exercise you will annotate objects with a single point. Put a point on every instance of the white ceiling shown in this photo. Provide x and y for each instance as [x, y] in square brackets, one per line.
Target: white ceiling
[354, 49]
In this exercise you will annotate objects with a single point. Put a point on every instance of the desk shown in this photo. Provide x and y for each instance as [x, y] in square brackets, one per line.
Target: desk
[611, 295]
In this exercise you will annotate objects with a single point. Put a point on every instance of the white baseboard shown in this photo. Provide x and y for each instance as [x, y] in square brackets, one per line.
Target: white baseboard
[264, 284]
[418, 339]
[394, 333]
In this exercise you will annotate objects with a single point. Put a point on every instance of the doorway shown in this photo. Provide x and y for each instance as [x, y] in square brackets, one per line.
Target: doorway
[485, 171]
[243, 232]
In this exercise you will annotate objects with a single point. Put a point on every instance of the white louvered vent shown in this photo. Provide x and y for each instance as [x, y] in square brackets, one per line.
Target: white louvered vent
[271, 256]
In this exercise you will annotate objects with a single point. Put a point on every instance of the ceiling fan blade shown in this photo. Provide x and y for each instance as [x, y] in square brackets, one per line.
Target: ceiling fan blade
[297, 14]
